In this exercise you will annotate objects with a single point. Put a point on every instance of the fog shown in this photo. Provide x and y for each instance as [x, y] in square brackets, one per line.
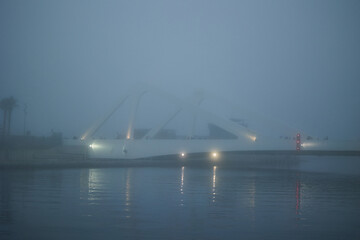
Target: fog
[295, 63]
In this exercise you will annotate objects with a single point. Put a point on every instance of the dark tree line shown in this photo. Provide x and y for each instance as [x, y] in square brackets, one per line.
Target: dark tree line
[7, 105]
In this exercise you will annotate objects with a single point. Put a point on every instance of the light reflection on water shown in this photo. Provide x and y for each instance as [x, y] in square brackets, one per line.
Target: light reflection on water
[182, 186]
[214, 202]
[214, 185]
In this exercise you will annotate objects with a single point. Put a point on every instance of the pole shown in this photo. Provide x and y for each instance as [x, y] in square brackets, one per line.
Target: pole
[25, 113]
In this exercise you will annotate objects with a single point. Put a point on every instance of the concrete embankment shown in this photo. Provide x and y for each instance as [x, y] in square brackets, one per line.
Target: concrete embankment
[40, 157]
[77, 157]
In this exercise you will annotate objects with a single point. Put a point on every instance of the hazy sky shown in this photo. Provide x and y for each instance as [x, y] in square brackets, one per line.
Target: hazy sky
[70, 61]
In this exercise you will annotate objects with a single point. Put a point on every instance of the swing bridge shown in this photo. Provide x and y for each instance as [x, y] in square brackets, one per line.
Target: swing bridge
[149, 146]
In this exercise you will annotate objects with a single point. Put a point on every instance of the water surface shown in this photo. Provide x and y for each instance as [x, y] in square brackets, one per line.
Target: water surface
[210, 202]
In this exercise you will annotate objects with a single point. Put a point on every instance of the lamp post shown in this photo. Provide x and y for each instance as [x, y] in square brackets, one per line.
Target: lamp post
[25, 113]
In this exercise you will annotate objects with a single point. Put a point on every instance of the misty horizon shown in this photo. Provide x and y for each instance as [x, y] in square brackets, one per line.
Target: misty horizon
[291, 62]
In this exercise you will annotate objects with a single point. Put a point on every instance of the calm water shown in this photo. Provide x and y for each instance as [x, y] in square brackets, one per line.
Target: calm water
[217, 202]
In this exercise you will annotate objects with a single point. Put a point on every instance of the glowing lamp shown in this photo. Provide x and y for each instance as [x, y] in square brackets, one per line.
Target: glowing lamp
[214, 155]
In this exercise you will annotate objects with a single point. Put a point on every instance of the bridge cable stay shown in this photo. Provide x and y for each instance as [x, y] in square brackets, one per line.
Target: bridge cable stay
[227, 125]
[154, 131]
[135, 104]
[95, 127]
[197, 101]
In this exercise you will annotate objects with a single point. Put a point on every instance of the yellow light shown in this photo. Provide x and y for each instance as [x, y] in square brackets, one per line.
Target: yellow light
[214, 155]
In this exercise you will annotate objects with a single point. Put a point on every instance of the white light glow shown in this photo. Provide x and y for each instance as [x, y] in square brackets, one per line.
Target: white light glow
[308, 144]
[252, 138]
[182, 154]
[214, 155]
[93, 146]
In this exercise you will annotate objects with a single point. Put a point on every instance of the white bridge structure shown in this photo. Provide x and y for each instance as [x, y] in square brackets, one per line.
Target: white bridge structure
[149, 145]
